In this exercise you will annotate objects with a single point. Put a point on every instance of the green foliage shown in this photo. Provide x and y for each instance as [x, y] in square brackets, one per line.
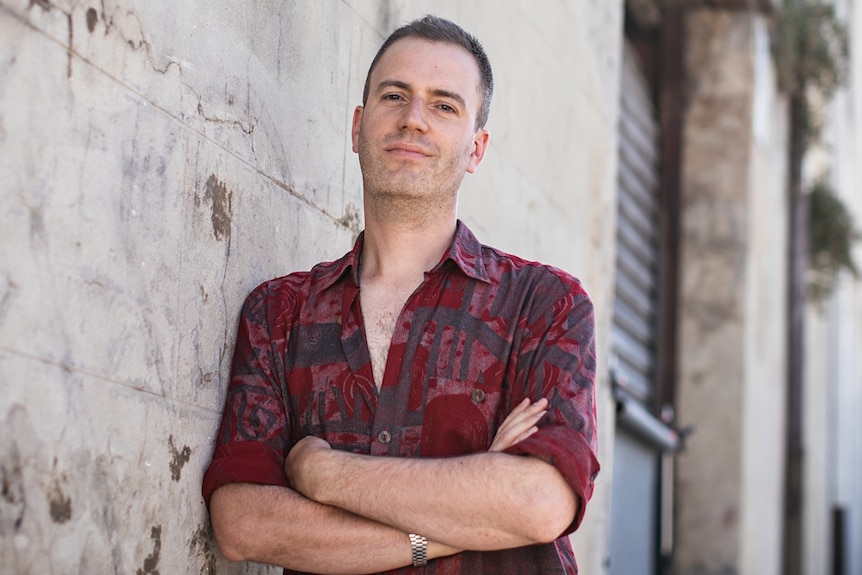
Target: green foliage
[811, 47]
[811, 50]
[831, 234]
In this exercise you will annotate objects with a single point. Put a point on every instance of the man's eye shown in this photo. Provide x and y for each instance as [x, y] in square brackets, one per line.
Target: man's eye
[447, 108]
[392, 97]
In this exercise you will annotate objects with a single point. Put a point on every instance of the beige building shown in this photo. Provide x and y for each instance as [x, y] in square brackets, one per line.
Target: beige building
[158, 160]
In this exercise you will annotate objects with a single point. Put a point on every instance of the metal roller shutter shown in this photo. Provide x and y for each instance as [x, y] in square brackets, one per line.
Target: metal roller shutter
[633, 337]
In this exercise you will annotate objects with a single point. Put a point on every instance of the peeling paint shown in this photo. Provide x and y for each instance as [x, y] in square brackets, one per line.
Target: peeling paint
[178, 458]
[202, 545]
[221, 201]
[13, 504]
[92, 19]
[351, 218]
[37, 224]
[151, 563]
[60, 504]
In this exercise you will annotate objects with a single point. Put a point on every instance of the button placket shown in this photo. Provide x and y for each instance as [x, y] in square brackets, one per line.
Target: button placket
[383, 427]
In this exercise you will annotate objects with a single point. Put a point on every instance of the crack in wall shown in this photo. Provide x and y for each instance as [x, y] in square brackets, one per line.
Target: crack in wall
[247, 127]
[8, 287]
[71, 27]
[177, 118]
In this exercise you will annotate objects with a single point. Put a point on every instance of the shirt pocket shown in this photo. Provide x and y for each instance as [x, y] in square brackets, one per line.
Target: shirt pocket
[460, 417]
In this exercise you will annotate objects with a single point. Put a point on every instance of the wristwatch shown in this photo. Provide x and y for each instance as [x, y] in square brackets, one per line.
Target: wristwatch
[419, 548]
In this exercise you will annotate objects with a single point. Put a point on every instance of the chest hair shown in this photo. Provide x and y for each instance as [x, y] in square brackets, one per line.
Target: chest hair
[380, 312]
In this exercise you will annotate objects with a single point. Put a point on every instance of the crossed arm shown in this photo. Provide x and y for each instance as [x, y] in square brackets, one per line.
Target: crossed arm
[350, 513]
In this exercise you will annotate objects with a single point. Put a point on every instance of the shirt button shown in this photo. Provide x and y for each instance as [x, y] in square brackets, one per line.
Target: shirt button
[384, 437]
[478, 395]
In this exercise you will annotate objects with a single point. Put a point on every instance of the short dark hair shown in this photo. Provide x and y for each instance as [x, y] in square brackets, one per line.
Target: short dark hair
[437, 29]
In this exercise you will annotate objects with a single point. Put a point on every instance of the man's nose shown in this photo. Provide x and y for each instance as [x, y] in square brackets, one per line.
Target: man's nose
[413, 115]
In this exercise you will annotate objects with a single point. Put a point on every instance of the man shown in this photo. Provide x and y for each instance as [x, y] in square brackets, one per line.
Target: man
[425, 403]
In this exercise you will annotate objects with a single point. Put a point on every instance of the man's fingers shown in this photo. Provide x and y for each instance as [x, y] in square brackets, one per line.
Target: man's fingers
[519, 424]
[525, 411]
[520, 408]
[526, 434]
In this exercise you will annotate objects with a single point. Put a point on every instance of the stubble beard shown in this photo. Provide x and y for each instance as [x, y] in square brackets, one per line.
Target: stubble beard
[410, 196]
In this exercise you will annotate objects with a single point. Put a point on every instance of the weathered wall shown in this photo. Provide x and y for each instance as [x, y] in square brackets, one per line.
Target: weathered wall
[833, 382]
[158, 160]
[765, 311]
[731, 300]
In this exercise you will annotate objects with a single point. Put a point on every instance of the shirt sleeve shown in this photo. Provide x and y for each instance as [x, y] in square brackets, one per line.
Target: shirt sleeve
[252, 438]
[558, 361]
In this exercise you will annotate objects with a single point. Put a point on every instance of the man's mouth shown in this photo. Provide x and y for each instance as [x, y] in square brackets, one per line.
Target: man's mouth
[406, 150]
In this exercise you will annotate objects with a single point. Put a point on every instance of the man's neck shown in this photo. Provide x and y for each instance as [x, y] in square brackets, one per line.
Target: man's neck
[400, 254]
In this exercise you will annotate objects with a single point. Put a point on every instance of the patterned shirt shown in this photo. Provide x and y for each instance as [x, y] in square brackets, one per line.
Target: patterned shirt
[483, 331]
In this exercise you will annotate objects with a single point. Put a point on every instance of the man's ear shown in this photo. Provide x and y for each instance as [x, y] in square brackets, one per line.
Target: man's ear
[480, 144]
[354, 132]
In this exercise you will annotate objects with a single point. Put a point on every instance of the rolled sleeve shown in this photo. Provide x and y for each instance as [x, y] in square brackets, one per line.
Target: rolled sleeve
[561, 367]
[243, 462]
[571, 455]
[252, 442]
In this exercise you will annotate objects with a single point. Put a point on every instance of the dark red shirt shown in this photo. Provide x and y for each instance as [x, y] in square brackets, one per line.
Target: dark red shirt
[483, 331]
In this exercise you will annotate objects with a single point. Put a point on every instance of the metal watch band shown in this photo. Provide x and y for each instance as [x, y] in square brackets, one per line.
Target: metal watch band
[419, 548]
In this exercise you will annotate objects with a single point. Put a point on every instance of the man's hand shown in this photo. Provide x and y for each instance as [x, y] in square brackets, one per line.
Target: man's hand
[520, 424]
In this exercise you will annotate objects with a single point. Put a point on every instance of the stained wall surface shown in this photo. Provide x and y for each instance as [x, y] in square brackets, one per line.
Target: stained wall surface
[732, 323]
[158, 160]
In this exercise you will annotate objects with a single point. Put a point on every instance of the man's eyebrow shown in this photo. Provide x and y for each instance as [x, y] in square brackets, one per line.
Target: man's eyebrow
[452, 95]
[405, 86]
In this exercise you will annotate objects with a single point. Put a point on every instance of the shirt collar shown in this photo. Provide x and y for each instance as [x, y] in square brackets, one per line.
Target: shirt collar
[349, 264]
[465, 251]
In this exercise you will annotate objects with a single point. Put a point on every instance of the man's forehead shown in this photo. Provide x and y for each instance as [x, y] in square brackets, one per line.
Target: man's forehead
[414, 56]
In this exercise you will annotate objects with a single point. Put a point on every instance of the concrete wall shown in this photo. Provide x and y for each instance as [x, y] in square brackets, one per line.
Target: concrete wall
[833, 390]
[765, 356]
[732, 300]
[158, 160]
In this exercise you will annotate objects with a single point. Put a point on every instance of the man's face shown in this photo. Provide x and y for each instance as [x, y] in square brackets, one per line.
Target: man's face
[416, 134]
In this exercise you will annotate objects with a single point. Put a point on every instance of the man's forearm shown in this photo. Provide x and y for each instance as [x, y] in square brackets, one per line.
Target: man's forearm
[275, 525]
[483, 501]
